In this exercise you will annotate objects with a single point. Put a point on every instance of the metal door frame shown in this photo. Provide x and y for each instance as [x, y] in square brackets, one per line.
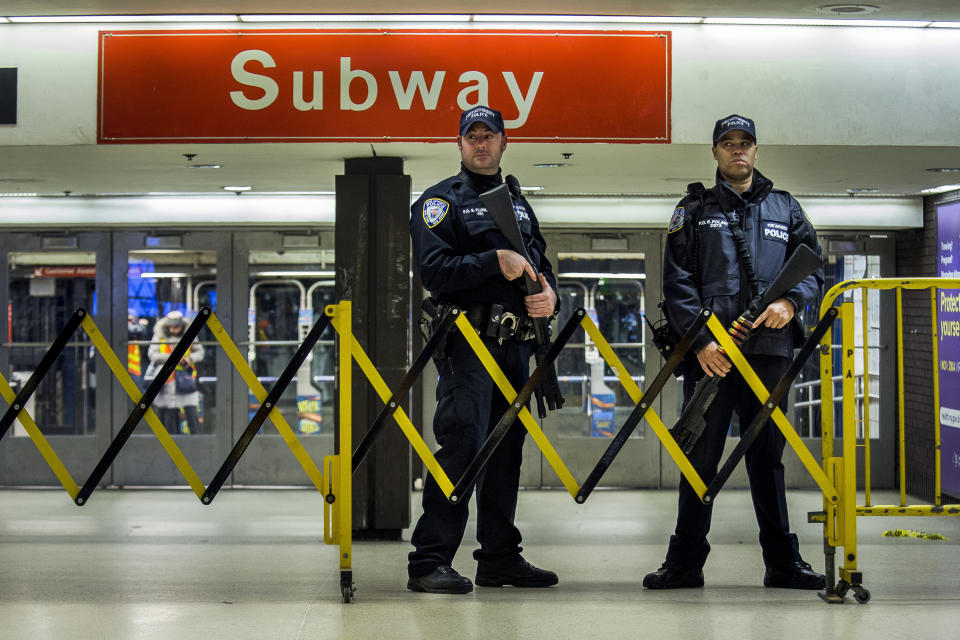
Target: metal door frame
[638, 464]
[143, 461]
[883, 451]
[20, 461]
[268, 461]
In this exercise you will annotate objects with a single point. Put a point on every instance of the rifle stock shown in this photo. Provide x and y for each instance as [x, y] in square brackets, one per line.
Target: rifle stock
[500, 206]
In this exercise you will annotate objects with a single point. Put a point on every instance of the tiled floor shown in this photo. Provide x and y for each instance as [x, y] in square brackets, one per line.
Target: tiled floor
[147, 565]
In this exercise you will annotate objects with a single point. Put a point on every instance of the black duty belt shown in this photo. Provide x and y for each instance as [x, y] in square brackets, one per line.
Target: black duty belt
[492, 321]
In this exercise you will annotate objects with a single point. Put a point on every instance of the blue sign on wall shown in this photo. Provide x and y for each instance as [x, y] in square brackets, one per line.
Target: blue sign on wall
[948, 344]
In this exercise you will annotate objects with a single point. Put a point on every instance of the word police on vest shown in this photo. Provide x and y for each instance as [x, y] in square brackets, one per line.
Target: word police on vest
[776, 230]
[475, 87]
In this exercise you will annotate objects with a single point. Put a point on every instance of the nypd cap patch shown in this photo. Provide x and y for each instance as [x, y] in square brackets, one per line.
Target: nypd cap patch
[676, 220]
[434, 210]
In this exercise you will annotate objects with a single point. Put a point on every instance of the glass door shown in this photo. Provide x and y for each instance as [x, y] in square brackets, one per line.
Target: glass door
[616, 279]
[45, 279]
[284, 280]
[852, 257]
[162, 281]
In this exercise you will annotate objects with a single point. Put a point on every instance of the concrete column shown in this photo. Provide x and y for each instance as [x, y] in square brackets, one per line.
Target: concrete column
[372, 245]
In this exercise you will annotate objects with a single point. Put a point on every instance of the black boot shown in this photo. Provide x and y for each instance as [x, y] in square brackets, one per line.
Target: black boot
[797, 575]
[513, 571]
[671, 575]
[443, 579]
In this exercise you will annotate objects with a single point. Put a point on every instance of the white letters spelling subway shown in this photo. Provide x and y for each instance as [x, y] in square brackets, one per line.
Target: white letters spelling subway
[307, 95]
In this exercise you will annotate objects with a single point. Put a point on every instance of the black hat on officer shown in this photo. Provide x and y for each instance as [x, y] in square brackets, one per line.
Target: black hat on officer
[490, 117]
[731, 123]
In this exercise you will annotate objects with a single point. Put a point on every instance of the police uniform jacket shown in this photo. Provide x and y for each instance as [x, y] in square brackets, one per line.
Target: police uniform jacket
[702, 268]
[455, 243]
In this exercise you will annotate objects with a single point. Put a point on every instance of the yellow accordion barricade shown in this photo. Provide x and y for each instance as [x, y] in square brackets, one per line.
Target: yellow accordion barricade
[839, 517]
[333, 477]
[335, 486]
[835, 477]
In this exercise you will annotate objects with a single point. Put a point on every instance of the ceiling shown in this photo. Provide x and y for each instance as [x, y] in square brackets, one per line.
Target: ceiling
[614, 170]
[890, 9]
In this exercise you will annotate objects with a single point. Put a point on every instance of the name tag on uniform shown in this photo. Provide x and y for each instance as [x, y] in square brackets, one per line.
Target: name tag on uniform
[713, 223]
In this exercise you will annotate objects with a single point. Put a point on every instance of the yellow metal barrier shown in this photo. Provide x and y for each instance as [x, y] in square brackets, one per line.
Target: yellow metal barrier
[836, 479]
[659, 428]
[840, 529]
[336, 491]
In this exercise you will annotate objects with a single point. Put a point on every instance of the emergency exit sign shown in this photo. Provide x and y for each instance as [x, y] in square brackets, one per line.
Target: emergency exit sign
[381, 85]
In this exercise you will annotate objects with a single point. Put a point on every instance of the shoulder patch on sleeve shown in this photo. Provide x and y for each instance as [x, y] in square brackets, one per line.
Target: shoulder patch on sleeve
[676, 220]
[434, 210]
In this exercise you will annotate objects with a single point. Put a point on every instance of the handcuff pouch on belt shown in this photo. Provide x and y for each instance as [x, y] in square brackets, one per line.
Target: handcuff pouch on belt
[492, 321]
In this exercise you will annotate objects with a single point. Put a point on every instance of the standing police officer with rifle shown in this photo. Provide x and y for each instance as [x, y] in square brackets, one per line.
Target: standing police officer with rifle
[724, 246]
[464, 259]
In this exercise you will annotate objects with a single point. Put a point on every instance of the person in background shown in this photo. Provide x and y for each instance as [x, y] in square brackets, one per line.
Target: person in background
[179, 393]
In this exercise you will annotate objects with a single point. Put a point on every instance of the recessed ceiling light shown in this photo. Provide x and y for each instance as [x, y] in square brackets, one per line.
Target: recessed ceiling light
[203, 166]
[238, 189]
[848, 9]
[531, 188]
[551, 165]
[944, 170]
[862, 190]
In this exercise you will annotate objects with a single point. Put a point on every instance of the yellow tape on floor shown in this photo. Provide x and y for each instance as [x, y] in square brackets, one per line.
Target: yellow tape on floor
[906, 533]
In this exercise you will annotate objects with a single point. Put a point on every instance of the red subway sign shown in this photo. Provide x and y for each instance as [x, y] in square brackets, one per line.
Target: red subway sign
[381, 85]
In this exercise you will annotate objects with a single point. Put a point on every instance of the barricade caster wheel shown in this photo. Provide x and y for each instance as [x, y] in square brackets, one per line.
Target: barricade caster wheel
[346, 591]
[861, 595]
[842, 587]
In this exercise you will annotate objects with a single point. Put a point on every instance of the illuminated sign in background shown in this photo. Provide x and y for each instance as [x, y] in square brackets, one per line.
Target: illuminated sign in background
[381, 85]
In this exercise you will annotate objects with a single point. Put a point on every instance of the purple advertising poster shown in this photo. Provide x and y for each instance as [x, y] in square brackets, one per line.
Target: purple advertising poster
[948, 330]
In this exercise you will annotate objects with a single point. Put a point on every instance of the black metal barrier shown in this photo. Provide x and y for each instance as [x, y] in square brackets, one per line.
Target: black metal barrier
[439, 334]
[499, 432]
[265, 408]
[45, 363]
[640, 410]
[142, 405]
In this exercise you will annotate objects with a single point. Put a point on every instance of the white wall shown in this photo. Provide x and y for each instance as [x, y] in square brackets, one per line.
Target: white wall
[820, 85]
[807, 85]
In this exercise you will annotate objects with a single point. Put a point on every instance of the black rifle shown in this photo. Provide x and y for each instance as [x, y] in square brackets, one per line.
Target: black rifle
[693, 420]
[500, 205]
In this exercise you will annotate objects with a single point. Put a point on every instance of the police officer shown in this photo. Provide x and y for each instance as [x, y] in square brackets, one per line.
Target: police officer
[463, 259]
[705, 267]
